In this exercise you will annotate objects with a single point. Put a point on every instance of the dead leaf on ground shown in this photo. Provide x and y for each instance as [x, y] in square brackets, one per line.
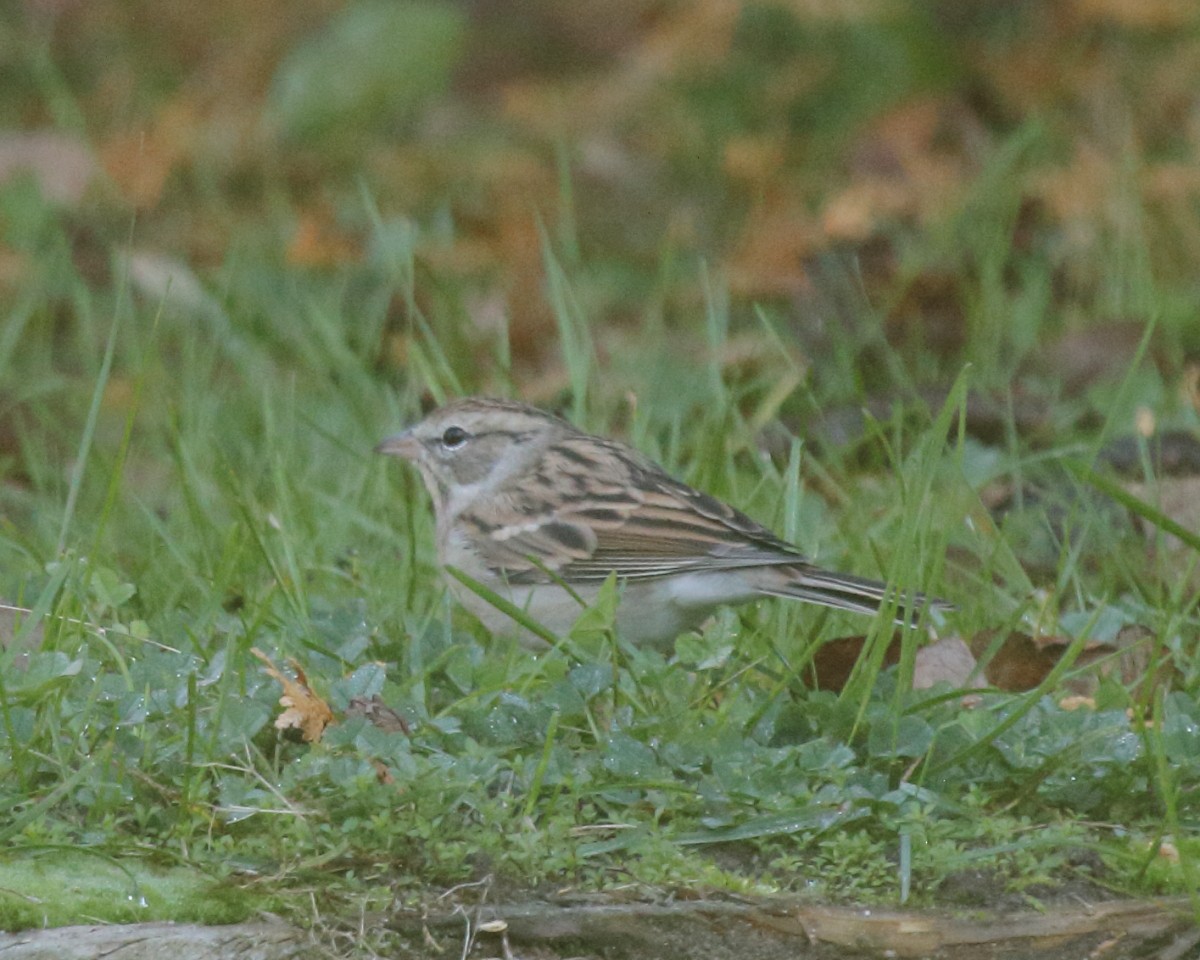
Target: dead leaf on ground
[1093, 353]
[140, 160]
[378, 714]
[1134, 658]
[834, 661]
[948, 660]
[319, 242]
[1021, 661]
[305, 711]
[903, 168]
[769, 256]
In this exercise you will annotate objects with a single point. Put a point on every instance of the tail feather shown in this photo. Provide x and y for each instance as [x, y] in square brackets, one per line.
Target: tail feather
[844, 591]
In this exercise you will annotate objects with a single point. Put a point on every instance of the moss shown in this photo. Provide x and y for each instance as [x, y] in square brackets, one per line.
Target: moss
[60, 888]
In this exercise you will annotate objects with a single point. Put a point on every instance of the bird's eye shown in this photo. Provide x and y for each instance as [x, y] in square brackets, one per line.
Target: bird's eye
[454, 437]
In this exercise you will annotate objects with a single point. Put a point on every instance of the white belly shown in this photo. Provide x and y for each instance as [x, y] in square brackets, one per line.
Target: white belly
[652, 612]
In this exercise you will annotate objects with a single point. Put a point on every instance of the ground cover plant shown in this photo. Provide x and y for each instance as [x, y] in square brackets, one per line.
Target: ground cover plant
[936, 324]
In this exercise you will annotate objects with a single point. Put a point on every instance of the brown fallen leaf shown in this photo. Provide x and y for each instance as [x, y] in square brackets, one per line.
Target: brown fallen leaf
[833, 661]
[911, 162]
[1021, 661]
[378, 714]
[318, 241]
[768, 259]
[305, 711]
[947, 660]
[1094, 353]
[141, 160]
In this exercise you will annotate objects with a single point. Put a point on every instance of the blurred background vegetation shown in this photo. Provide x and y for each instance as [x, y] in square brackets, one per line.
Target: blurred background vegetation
[984, 178]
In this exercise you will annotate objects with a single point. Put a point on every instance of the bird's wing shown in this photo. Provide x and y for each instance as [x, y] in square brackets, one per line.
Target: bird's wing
[592, 508]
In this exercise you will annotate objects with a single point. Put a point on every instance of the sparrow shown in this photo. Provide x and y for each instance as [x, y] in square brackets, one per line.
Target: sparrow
[541, 513]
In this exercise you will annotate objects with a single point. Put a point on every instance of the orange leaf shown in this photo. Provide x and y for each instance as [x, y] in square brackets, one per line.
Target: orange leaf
[141, 160]
[304, 711]
[317, 242]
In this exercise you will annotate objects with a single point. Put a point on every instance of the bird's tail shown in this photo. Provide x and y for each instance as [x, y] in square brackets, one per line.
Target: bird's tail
[847, 592]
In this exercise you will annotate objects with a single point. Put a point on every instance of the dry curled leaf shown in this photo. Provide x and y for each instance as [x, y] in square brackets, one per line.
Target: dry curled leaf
[378, 714]
[304, 710]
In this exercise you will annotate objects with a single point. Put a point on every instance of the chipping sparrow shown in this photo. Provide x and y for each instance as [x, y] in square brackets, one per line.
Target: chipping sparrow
[523, 500]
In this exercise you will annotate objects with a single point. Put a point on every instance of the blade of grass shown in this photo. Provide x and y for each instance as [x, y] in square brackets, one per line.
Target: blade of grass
[509, 609]
[1148, 512]
[89, 427]
[574, 337]
[539, 774]
[39, 809]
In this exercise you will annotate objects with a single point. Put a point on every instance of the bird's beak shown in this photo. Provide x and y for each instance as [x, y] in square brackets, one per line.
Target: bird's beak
[403, 444]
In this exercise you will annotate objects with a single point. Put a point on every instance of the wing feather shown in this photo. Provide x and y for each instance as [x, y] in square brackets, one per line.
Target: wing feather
[592, 507]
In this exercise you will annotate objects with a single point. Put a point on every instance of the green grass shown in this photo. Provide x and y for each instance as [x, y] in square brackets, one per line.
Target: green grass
[186, 485]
